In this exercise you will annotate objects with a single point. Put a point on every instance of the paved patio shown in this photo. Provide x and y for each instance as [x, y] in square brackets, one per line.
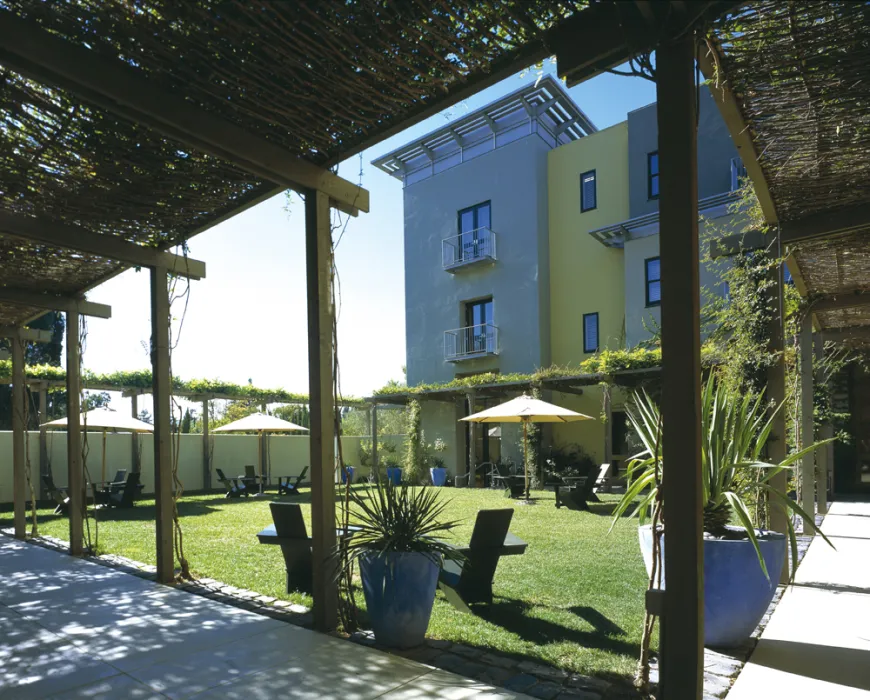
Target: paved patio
[71, 628]
[817, 644]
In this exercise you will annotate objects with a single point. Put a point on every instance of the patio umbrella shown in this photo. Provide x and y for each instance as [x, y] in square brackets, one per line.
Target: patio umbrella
[107, 420]
[260, 423]
[525, 409]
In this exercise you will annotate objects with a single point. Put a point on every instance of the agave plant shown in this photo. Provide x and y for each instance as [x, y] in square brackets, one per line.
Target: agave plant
[734, 430]
[398, 519]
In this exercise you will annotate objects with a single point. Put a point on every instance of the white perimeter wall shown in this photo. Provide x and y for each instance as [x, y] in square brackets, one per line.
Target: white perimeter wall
[289, 455]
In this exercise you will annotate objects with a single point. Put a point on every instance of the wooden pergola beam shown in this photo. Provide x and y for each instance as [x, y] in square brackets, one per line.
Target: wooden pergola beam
[125, 91]
[709, 59]
[827, 224]
[52, 302]
[112, 247]
[841, 335]
[833, 302]
[27, 334]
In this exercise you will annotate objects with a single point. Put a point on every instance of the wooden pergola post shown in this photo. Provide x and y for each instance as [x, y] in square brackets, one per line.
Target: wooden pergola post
[682, 623]
[808, 481]
[206, 452]
[134, 411]
[75, 473]
[318, 258]
[472, 438]
[375, 469]
[826, 431]
[776, 447]
[161, 388]
[43, 441]
[19, 464]
[608, 426]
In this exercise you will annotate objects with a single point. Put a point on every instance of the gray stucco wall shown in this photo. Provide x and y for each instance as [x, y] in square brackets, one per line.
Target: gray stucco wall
[715, 151]
[514, 179]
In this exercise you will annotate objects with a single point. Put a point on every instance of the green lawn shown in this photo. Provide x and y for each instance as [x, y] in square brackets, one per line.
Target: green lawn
[574, 600]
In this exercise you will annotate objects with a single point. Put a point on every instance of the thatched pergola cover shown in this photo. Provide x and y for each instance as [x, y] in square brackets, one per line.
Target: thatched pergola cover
[794, 86]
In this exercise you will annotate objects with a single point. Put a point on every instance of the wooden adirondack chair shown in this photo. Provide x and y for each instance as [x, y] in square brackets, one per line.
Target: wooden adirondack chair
[285, 486]
[295, 545]
[234, 487]
[59, 496]
[576, 494]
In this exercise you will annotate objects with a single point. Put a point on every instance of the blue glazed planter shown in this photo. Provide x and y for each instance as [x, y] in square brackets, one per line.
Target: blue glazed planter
[347, 473]
[394, 475]
[736, 591]
[400, 589]
[438, 476]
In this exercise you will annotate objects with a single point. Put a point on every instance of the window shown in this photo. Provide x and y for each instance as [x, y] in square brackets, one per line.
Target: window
[590, 332]
[738, 173]
[479, 336]
[471, 221]
[653, 282]
[652, 170]
[588, 191]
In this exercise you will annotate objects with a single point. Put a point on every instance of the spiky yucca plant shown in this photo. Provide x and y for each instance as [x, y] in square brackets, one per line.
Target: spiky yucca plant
[734, 430]
[398, 519]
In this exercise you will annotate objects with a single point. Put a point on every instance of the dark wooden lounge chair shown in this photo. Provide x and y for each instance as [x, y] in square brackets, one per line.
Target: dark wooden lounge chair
[602, 481]
[295, 545]
[59, 496]
[470, 582]
[250, 479]
[285, 487]
[576, 493]
[234, 487]
[123, 498]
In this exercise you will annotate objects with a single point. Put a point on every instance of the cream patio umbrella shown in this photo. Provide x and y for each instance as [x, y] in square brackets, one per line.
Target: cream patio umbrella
[525, 409]
[261, 424]
[107, 420]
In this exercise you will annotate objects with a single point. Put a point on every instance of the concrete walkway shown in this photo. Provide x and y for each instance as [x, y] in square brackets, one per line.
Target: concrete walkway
[70, 628]
[817, 644]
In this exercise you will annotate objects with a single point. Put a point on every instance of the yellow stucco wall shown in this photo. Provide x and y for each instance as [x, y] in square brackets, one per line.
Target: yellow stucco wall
[586, 276]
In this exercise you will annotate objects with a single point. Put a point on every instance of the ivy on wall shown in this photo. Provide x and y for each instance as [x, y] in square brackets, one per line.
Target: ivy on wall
[414, 444]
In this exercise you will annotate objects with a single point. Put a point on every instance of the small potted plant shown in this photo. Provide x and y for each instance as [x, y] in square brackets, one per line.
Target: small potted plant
[395, 542]
[741, 563]
[394, 472]
[437, 472]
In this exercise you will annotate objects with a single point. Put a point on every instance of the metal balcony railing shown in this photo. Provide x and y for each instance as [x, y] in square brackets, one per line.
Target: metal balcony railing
[470, 342]
[467, 248]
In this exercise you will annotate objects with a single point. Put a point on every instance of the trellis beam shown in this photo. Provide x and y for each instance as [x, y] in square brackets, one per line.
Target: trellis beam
[125, 91]
[710, 62]
[53, 302]
[112, 247]
[30, 335]
[833, 302]
[841, 335]
[829, 223]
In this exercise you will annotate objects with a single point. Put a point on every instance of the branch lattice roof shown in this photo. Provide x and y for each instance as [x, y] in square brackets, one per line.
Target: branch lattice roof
[319, 80]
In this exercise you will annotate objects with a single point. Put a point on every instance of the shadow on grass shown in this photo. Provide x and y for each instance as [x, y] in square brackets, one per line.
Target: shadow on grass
[512, 615]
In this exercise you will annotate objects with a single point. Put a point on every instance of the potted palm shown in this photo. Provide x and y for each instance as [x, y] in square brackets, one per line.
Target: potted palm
[741, 562]
[395, 542]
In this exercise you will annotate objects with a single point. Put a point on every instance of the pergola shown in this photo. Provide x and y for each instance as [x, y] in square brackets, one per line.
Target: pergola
[130, 127]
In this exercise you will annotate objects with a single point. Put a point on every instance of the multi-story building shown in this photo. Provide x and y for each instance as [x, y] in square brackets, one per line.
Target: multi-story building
[531, 240]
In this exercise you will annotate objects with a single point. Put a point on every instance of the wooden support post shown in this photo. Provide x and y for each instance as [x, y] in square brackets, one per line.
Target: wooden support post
[162, 423]
[19, 462]
[375, 467]
[135, 457]
[608, 426]
[75, 473]
[472, 439]
[808, 482]
[822, 464]
[682, 624]
[318, 258]
[43, 441]
[776, 448]
[206, 448]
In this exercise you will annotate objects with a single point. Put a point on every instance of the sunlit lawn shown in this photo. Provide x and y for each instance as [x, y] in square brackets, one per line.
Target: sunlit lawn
[574, 600]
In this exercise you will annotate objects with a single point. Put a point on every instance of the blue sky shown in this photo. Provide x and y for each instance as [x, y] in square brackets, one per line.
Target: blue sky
[247, 319]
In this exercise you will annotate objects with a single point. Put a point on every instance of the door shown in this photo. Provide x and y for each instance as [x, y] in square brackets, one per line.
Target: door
[478, 319]
[474, 225]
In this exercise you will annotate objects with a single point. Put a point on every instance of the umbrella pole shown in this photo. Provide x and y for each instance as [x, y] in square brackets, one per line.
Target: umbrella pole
[526, 455]
[104, 454]
[260, 460]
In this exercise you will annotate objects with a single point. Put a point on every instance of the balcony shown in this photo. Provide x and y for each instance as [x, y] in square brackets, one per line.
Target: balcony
[470, 342]
[467, 249]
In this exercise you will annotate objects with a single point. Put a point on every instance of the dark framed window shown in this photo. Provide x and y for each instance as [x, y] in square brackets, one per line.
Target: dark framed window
[478, 313]
[590, 332]
[472, 240]
[478, 334]
[588, 191]
[653, 273]
[652, 174]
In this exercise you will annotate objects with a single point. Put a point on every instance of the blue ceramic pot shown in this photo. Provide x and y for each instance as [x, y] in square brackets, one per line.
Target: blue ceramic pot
[438, 476]
[347, 473]
[394, 475]
[400, 589]
[736, 591]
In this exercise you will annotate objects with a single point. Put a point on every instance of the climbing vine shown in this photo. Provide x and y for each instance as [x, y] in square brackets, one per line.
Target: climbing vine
[414, 444]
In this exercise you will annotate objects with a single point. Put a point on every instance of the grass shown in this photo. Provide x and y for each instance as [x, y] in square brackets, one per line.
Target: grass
[573, 600]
